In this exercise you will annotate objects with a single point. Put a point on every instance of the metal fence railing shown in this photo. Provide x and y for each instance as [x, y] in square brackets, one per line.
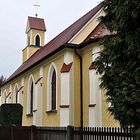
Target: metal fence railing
[65, 133]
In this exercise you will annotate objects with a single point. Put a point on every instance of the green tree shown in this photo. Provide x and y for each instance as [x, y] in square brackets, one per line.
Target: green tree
[119, 62]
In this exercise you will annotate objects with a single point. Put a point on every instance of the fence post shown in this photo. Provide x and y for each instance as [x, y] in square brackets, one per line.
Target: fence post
[70, 133]
[33, 128]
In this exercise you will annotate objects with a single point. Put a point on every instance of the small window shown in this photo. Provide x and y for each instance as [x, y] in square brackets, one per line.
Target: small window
[37, 41]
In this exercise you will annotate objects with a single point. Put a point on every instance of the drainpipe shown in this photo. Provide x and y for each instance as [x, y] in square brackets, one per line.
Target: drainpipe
[81, 88]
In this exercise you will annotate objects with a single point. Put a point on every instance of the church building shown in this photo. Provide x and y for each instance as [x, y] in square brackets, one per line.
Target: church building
[57, 83]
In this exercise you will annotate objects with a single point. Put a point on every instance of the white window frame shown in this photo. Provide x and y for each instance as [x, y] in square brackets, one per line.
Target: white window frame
[31, 79]
[50, 73]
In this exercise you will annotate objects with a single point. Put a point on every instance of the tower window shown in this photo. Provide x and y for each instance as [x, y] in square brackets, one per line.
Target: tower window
[37, 41]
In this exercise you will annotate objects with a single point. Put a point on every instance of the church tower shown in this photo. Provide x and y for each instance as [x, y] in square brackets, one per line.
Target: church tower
[35, 31]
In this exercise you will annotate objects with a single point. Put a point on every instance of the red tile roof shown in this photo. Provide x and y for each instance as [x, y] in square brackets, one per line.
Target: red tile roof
[55, 43]
[99, 32]
[36, 23]
[66, 68]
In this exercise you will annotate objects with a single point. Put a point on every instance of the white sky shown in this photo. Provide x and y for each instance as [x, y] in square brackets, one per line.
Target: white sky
[58, 15]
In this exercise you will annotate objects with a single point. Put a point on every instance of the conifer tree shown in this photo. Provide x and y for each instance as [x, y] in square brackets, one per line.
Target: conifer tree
[119, 62]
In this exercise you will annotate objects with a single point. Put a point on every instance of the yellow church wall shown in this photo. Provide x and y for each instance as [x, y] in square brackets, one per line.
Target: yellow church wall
[18, 82]
[52, 118]
[9, 99]
[86, 63]
[7, 88]
[76, 102]
[32, 50]
[28, 52]
[2, 92]
[86, 56]
[27, 119]
[24, 55]
[48, 118]
[107, 119]
[89, 27]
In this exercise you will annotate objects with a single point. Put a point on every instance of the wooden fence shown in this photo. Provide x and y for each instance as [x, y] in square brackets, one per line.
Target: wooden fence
[103, 134]
[65, 133]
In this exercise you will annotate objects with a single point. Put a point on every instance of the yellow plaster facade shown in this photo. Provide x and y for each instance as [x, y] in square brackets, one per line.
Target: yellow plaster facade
[87, 29]
[107, 118]
[52, 118]
[76, 101]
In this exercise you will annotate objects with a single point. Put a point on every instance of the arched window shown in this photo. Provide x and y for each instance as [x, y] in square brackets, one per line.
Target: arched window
[30, 95]
[37, 41]
[52, 89]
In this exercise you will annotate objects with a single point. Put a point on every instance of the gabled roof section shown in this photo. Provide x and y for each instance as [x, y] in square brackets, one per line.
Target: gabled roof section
[35, 23]
[55, 44]
[99, 32]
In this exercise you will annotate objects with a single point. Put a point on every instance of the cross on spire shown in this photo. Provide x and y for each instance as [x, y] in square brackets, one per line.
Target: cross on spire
[36, 8]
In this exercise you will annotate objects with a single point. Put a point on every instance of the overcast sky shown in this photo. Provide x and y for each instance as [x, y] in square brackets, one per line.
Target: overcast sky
[58, 15]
